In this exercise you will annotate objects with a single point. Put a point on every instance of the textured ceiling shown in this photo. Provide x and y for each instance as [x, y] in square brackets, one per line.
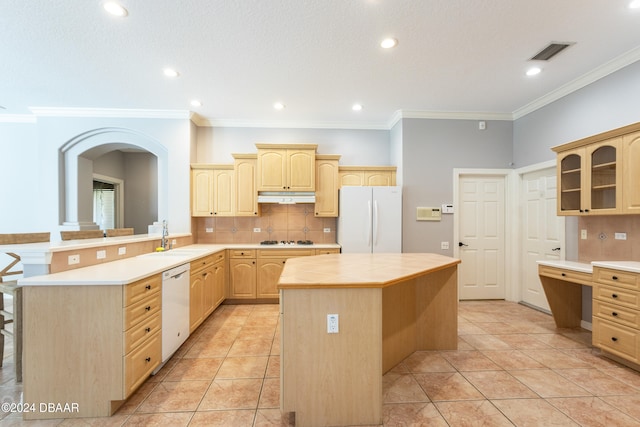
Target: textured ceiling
[316, 56]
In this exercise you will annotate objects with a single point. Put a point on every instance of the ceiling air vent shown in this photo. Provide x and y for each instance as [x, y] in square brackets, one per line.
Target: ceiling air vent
[550, 51]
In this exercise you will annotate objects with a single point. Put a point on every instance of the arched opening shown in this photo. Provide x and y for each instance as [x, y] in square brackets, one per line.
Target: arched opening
[145, 163]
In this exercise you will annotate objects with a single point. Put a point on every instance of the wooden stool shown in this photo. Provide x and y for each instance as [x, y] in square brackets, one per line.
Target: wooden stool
[10, 287]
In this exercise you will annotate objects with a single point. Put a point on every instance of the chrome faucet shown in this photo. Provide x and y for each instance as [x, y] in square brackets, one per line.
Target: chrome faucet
[165, 233]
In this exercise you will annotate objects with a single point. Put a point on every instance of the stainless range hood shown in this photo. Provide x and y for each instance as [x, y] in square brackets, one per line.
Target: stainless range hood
[286, 197]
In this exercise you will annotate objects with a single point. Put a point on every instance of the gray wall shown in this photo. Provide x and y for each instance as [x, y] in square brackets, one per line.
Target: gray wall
[431, 149]
[357, 146]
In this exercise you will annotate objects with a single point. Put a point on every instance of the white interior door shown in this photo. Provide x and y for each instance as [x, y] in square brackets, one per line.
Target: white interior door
[542, 231]
[481, 210]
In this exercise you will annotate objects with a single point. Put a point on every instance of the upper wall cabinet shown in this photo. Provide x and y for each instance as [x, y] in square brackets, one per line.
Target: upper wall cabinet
[367, 175]
[326, 185]
[212, 191]
[286, 167]
[246, 194]
[598, 175]
[201, 190]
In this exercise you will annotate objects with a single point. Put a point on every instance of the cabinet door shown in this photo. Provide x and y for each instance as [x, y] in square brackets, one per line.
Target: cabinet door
[269, 270]
[380, 178]
[301, 166]
[242, 278]
[223, 203]
[219, 282]
[246, 193]
[326, 188]
[631, 173]
[571, 165]
[208, 292]
[271, 169]
[201, 192]
[351, 178]
[196, 303]
[604, 178]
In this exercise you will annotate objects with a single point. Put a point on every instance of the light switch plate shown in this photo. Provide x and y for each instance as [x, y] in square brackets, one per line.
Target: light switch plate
[620, 236]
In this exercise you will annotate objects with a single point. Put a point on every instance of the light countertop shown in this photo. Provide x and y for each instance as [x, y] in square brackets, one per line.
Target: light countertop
[129, 270]
[581, 267]
[359, 270]
[631, 266]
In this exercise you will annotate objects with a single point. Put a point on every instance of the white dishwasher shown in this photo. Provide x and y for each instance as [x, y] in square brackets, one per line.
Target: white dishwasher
[175, 309]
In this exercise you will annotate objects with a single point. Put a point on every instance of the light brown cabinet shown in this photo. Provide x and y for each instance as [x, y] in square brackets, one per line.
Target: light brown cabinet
[224, 191]
[286, 167]
[201, 191]
[206, 287]
[326, 186]
[270, 265]
[242, 273]
[598, 175]
[367, 175]
[120, 324]
[246, 195]
[616, 313]
[212, 190]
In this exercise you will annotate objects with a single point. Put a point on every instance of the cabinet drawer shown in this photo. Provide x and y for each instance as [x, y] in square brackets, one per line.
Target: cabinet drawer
[619, 278]
[141, 311]
[617, 296]
[140, 332]
[284, 253]
[242, 253]
[139, 290]
[141, 362]
[327, 251]
[202, 263]
[617, 339]
[566, 275]
[616, 314]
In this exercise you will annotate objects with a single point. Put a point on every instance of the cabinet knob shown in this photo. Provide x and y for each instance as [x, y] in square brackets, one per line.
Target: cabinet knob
[148, 359]
[614, 277]
[148, 287]
[614, 295]
[148, 308]
[614, 339]
[563, 274]
[614, 314]
[586, 210]
[148, 330]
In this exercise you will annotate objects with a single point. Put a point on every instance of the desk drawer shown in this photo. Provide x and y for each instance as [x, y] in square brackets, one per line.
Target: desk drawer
[141, 362]
[142, 311]
[242, 253]
[617, 339]
[566, 275]
[616, 296]
[617, 314]
[619, 278]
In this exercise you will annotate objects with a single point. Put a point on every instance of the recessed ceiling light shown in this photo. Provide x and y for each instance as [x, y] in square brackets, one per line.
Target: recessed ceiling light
[635, 4]
[388, 43]
[170, 72]
[533, 71]
[196, 103]
[279, 106]
[115, 8]
[356, 107]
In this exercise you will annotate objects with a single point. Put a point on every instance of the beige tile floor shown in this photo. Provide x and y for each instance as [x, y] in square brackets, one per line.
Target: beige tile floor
[512, 367]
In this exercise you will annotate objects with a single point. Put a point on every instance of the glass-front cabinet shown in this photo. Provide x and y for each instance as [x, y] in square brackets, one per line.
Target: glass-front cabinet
[590, 179]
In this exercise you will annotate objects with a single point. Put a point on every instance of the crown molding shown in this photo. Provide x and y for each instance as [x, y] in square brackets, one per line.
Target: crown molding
[17, 118]
[109, 113]
[604, 70]
[236, 123]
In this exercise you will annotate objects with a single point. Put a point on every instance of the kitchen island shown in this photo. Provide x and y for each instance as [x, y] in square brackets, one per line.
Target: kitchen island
[387, 305]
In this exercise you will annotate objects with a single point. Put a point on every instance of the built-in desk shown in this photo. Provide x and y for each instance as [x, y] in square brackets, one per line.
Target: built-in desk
[388, 306]
[562, 282]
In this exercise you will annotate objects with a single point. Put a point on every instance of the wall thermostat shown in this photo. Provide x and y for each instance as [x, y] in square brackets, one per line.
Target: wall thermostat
[447, 209]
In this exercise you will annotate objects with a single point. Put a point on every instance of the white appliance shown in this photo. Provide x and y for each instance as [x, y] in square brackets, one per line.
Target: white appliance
[175, 309]
[370, 219]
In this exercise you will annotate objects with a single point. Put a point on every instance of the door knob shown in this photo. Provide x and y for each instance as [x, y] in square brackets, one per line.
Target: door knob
[555, 249]
[462, 244]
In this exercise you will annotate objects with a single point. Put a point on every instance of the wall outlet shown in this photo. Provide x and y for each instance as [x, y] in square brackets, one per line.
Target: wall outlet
[620, 236]
[332, 324]
[73, 259]
[583, 234]
[122, 250]
[326, 230]
[444, 245]
[257, 229]
[208, 230]
[101, 254]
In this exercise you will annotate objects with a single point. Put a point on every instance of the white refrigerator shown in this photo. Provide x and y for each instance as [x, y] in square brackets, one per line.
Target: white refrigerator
[370, 219]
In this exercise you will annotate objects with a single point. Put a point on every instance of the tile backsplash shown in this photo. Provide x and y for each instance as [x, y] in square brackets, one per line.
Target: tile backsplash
[276, 222]
[601, 244]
